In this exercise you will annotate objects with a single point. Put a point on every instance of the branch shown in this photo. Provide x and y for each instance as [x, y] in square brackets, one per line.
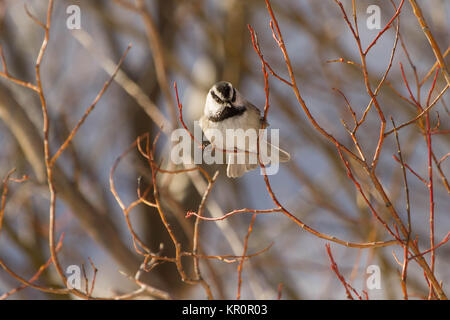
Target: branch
[334, 267]
[89, 110]
[434, 46]
[385, 28]
[241, 264]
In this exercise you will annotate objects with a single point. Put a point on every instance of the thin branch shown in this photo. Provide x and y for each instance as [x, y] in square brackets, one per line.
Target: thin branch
[348, 288]
[89, 110]
[241, 264]
[231, 213]
[408, 212]
[5, 74]
[423, 112]
[412, 171]
[434, 46]
[5, 192]
[36, 275]
[196, 236]
[435, 65]
[385, 28]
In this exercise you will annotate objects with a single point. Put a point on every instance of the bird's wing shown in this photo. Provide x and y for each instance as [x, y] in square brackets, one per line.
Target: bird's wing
[253, 108]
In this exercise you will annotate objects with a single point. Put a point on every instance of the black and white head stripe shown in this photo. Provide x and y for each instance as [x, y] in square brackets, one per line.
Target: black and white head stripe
[224, 89]
[215, 97]
[223, 92]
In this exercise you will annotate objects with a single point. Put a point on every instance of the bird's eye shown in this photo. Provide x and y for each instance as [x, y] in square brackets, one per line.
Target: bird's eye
[215, 97]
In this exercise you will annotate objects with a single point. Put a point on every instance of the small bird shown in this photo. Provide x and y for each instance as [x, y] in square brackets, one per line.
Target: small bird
[226, 108]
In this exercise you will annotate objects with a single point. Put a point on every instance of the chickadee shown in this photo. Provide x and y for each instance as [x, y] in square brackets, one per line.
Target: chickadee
[226, 108]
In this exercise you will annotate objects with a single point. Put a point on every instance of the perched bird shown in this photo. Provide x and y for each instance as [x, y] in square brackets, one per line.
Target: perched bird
[225, 109]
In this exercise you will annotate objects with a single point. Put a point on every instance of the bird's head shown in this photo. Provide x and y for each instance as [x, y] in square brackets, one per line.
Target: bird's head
[221, 95]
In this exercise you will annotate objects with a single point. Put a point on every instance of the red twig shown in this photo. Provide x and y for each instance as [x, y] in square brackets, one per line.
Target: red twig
[280, 291]
[430, 180]
[93, 278]
[444, 241]
[421, 113]
[368, 87]
[241, 264]
[180, 108]
[264, 64]
[407, 87]
[385, 28]
[263, 67]
[411, 170]
[334, 267]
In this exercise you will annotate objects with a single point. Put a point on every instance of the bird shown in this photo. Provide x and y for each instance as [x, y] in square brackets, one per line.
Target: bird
[226, 108]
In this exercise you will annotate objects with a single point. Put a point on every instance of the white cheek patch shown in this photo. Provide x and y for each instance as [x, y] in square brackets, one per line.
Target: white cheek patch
[211, 106]
[217, 93]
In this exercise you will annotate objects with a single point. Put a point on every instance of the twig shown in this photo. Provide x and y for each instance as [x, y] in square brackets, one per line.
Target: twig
[176, 243]
[280, 292]
[231, 213]
[368, 88]
[424, 111]
[280, 41]
[434, 46]
[143, 288]
[408, 212]
[444, 241]
[228, 258]
[94, 277]
[412, 171]
[241, 264]
[37, 274]
[430, 180]
[370, 170]
[435, 65]
[5, 192]
[383, 79]
[348, 288]
[361, 191]
[5, 74]
[385, 28]
[89, 110]
[46, 126]
[197, 235]
[126, 209]
[409, 90]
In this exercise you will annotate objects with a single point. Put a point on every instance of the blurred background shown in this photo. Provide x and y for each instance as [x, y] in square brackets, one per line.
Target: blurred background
[200, 42]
